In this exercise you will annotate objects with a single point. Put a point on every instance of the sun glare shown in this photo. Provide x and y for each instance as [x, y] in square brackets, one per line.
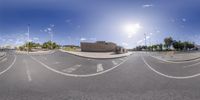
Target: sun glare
[131, 29]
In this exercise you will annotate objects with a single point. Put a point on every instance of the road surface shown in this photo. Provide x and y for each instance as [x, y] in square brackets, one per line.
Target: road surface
[61, 76]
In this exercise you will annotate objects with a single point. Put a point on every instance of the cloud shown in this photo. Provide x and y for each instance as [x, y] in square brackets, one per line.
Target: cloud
[147, 37]
[140, 41]
[147, 5]
[36, 38]
[15, 39]
[93, 39]
[68, 20]
[45, 30]
[158, 31]
[49, 29]
[83, 39]
[183, 19]
[125, 44]
[52, 25]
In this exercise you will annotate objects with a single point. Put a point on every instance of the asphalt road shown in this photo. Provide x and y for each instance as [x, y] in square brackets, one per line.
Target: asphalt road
[61, 76]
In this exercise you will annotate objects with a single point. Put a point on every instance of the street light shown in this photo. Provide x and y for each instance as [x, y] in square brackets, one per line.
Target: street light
[28, 27]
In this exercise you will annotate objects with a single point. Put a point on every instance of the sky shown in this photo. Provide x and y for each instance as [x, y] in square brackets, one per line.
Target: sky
[121, 21]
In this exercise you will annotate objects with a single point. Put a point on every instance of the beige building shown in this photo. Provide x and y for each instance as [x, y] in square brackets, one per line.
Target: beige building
[99, 46]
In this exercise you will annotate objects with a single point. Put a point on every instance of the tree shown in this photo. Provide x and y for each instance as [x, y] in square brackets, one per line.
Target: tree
[50, 45]
[160, 47]
[168, 42]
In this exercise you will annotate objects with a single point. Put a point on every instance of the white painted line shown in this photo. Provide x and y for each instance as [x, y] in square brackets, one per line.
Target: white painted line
[71, 69]
[9, 66]
[169, 76]
[192, 65]
[57, 62]
[29, 75]
[99, 68]
[121, 59]
[114, 62]
[74, 75]
[27, 71]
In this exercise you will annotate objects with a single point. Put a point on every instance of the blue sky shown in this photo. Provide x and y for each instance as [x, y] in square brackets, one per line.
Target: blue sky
[72, 21]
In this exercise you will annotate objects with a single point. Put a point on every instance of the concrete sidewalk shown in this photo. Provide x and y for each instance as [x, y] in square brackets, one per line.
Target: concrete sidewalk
[37, 52]
[177, 57]
[97, 55]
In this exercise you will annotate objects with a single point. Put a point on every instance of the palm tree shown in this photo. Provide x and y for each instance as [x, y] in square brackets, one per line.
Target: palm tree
[168, 42]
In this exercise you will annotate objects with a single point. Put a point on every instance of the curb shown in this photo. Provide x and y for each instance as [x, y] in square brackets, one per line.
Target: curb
[185, 59]
[45, 53]
[93, 57]
[178, 61]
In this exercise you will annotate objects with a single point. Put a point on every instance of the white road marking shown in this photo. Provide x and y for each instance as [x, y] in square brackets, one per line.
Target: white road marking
[169, 76]
[4, 59]
[29, 75]
[121, 59]
[10, 65]
[27, 71]
[75, 75]
[114, 62]
[99, 68]
[71, 69]
[57, 62]
[192, 65]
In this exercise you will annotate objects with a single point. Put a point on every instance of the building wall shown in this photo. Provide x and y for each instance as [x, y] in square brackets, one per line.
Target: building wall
[100, 46]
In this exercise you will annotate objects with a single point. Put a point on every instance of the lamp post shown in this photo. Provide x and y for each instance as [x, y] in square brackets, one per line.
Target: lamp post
[28, 35]
[145, 40]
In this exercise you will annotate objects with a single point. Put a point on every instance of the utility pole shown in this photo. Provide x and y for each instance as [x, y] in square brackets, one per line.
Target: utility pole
[28, 37]
[145, 40]
[51, 34]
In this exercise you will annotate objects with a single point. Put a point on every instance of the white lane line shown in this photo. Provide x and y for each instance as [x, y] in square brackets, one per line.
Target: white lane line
[114, 62]
[75, 75]
[29, 75]
[9, 66]
[27, 71]
[192, 65]
[99, 68]
[71, 69]
[168, 76]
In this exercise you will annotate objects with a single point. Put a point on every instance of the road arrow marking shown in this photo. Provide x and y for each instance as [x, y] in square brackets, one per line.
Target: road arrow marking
[114, 62]
[99, 68]
[71, 69]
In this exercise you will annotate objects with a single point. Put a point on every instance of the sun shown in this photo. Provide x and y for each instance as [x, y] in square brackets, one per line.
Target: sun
[131, 29]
